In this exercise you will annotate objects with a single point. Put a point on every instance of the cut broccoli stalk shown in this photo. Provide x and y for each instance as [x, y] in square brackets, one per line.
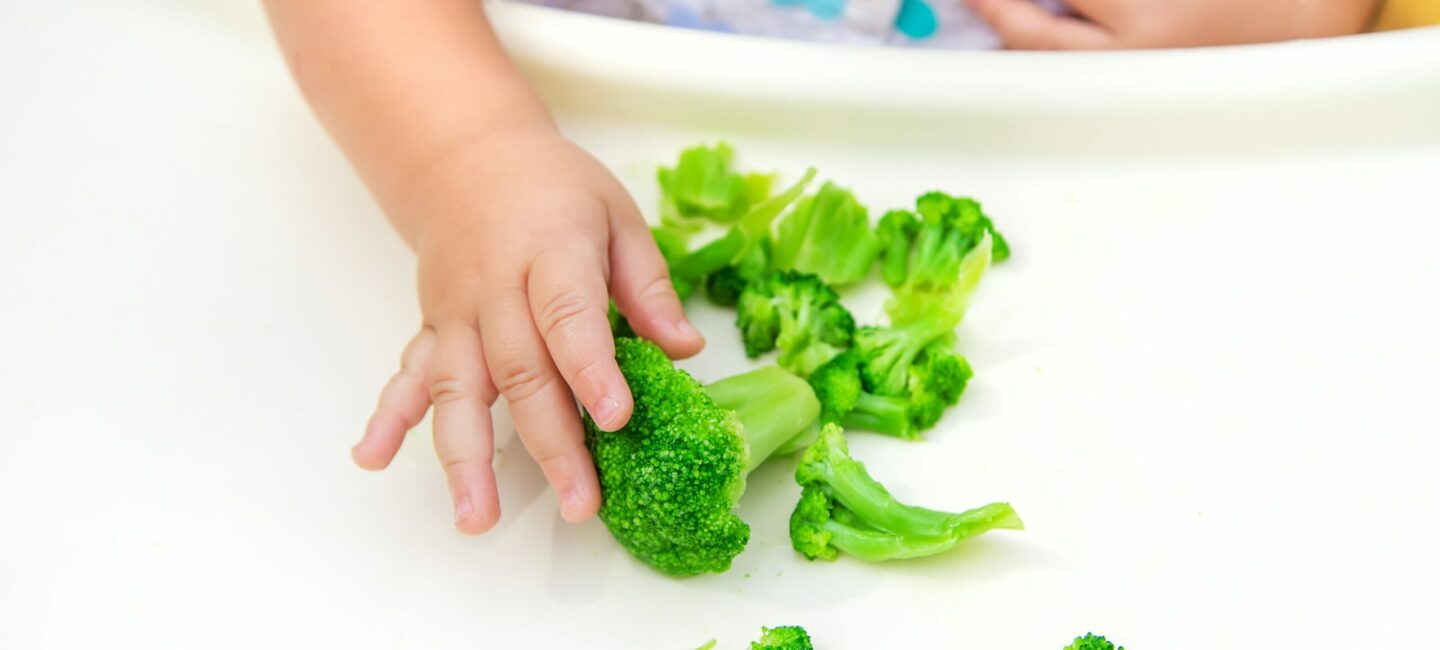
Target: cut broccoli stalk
[671, 477]
[774, 406]
[843, 509]
[916, 300]
[827, 234]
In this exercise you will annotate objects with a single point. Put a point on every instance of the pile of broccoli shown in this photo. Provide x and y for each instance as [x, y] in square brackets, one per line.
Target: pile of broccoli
[672, 477]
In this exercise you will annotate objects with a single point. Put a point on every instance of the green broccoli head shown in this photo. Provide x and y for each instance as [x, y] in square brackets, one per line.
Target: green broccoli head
[936, 379]
[670, 478]
[672, 475]
[828, 234]
[788, 637]
[799, 314]
[723, 287]
[843, 509]
[1092, 642]
[952, 249]
[887, 353]
[837, 385]
[896, 231]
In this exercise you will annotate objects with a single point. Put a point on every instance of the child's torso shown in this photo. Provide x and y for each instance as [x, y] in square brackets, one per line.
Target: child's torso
[923, 23]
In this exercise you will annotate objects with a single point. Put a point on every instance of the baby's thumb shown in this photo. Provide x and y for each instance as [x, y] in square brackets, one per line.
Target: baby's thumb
[640, 284]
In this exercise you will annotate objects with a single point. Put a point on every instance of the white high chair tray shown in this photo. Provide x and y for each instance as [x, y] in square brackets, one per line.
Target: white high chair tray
[1204, 379]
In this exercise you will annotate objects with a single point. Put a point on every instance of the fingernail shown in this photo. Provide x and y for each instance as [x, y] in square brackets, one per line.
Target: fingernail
[685, 329]
[605, 410]
[572, 505]
[464, 509]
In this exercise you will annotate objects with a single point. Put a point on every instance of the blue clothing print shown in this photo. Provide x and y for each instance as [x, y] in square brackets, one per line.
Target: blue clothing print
[914, 23]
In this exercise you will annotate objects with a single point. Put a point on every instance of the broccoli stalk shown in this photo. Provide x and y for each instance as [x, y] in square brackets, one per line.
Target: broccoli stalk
[798, 314]
[827, 234]
[671, 477]
[772, 404]
[842, 508]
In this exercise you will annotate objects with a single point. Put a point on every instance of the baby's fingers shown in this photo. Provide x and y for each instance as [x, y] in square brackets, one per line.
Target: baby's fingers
[402, 404]
[642, 287]
[464, 434]
[540, 402]
[568, 301]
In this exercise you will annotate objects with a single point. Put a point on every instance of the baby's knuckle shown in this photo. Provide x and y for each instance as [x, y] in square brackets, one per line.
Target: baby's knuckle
[658, 288]
[519, 380]
[448, 390]
[560, 311]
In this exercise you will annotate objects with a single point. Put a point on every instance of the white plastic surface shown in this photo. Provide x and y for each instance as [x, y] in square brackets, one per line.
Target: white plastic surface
[1206, 379]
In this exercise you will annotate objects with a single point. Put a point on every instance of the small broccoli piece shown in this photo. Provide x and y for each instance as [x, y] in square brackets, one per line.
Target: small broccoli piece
[887, 353]
[724, 287]
[843, 509]
[670, 478]
[745, 245]
[896, 231]
[828, 234]
[1092, 642]
[796, 313]
[787, 637]
[934, 382]
[951, 251]
[701, 185]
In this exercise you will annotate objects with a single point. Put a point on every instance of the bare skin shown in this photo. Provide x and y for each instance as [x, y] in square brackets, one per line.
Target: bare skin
[1138, 24]
[521, 238]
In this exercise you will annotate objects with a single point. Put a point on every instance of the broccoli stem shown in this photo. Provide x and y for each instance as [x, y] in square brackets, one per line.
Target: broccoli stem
[880, 414]
[876, 545]
[773, 405]
[848, 482]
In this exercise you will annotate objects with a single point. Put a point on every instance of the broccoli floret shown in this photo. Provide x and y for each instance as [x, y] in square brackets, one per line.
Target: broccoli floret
[701, 185]
[934, 382]
[828, 234]
[671, 477]
[796, 313]
[1092, 642]
[936, 379]
[896, 231]
[787, 637]
[723, 287]
[950, 253]
[887, 353]
[842, 508]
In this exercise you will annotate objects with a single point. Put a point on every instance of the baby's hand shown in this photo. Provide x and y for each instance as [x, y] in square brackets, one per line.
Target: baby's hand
[525, 239]
[1135, 24]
